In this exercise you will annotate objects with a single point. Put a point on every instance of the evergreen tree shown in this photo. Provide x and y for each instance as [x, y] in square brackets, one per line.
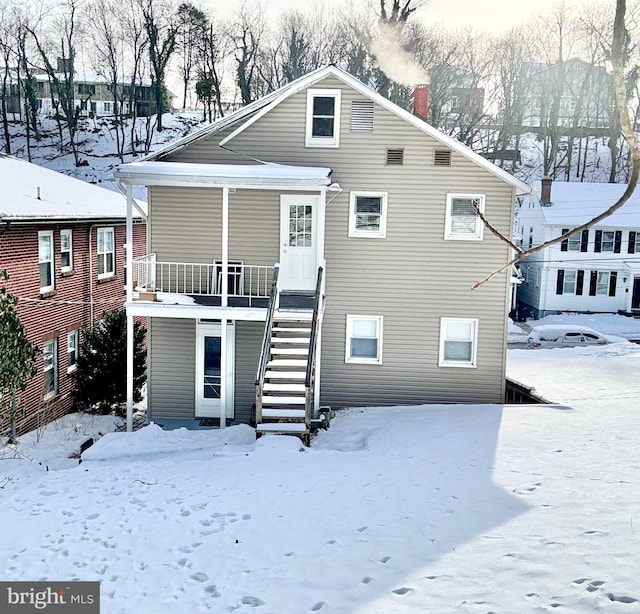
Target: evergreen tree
[101, 376]
[17, 358]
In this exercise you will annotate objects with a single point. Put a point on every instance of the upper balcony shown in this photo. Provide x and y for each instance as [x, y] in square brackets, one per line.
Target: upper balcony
[201, 284]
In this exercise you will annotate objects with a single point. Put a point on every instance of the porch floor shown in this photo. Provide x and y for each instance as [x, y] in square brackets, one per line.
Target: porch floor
[170, 424]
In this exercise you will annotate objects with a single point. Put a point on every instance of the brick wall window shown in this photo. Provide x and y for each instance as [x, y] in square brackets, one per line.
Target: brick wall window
[50, 357]
[106, 253]
[45, 261]
[66, 250]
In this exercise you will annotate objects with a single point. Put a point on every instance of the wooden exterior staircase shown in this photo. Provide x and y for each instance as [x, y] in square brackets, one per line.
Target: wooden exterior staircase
[285, 381]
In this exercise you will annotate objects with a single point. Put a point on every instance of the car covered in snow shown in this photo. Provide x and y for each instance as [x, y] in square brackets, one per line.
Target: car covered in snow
[567, 335]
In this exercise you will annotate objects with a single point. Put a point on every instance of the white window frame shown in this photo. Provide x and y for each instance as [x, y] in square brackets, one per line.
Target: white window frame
[348, 358]
[69, 235]
[319, 141]
[104, 253]
[50, 261]
[468, 364]
[610, 242]
[51, 367]
[72, 348]
[574, 242]
[354, 231]
[449, 233]
[605, 286]
[566, 281]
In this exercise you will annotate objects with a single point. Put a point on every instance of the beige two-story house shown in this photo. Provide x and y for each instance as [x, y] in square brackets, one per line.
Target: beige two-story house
[317, 248]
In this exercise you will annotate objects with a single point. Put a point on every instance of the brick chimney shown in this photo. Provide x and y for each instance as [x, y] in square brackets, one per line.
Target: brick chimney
[421, 101]
[545, 192]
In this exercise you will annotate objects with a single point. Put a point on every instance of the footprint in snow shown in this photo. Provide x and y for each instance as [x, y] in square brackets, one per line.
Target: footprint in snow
[596, 533]
[384, 560]
[252, 601]
[318, 606]
[199, 576]
[212, 591]
[403, 590]
[621, 598]
[365, 580]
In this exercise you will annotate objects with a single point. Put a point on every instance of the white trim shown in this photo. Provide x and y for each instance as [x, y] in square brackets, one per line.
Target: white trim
[112, 272]
[449, 234]
[49, 234]
[469, 364]
[381, 233]
[348, 358]
[66, 232]
[319, 141]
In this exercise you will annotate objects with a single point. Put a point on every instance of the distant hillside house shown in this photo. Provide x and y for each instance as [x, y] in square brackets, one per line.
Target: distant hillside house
[62, 242]
[596, 270]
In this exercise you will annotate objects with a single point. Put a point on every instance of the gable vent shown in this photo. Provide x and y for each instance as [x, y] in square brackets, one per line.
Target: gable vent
[442, 157]
[362, 116]
[395, 157]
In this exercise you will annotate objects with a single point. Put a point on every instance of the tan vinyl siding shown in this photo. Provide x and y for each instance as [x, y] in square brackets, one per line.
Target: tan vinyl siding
[248, 342]
[413, 277]
[171, 377]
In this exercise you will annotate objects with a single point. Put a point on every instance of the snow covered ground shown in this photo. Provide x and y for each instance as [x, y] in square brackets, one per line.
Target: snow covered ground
[411, 509]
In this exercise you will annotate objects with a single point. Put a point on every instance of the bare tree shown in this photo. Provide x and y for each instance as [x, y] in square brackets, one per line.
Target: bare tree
[192, 28]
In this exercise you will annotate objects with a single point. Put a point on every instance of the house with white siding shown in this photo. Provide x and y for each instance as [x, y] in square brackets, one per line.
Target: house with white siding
[317, 248]
[595, 270]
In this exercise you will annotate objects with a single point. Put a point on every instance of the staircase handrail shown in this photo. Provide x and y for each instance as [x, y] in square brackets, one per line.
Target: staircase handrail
[311, 359]
[266, 341]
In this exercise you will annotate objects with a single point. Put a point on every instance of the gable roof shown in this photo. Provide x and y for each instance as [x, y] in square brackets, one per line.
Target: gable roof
[574, 203]
[33, 192]
[248, 115]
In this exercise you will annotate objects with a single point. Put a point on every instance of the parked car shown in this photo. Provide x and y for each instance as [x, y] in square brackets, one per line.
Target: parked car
[566, 335]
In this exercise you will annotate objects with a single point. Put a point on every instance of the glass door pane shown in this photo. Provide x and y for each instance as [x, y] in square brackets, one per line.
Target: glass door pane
[212, 360]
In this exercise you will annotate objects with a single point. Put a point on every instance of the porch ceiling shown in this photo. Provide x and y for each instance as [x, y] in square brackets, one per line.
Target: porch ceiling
[257, 176]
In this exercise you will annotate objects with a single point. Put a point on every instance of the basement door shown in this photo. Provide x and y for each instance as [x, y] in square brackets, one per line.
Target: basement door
[214, 373]
[298, 242]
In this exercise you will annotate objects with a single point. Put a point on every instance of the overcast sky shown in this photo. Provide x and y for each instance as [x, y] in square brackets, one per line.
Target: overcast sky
[488, 15]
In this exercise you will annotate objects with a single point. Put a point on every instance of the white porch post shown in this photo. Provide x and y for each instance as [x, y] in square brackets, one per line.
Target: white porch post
[225, 247]
[130, 341]
[223, 370]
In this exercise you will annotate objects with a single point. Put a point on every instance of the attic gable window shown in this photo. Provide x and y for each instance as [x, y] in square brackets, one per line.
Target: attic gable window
[362, 116]
[395, 157]
[461, 221]
[323, 118]
[442, 157]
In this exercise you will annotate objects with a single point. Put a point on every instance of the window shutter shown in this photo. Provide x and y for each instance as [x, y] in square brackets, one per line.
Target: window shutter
[395, 157]
[442, 157]
[632, 242]
[613, 278]
[362, 116]
[564, 246]
[584, 244]
[560, 281]
[617, 242]
[579, 282]
[598, 246]
[593, 282]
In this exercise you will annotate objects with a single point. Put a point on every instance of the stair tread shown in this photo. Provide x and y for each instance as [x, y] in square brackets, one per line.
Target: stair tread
[284, 329]
[282, 400]
[292, 316]
[288, 350]
[269, 387]
[285, 374]
[298, 340]
[281, 427]
[284, 362]
[282, 413]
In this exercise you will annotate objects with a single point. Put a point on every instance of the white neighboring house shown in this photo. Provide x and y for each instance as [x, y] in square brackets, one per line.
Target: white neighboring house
[596, 270]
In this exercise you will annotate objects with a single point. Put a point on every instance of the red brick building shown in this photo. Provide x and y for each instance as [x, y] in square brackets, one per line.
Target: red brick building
[62, 242]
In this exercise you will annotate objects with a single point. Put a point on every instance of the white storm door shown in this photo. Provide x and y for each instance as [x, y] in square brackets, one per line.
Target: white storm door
[298, 242]
[214, 376]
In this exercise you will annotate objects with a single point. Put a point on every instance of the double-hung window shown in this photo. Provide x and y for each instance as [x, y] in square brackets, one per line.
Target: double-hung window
[458, 342]
[368, 214]
[50, 369]
[66, 250]
[364, 339]
[72, 350]
[45, 261]
[602, 283]
[462, 221]
[608, 237]
[106, 253]
[323, 118]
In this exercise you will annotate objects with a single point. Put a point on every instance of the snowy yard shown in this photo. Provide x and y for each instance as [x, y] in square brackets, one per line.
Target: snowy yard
[440, 509]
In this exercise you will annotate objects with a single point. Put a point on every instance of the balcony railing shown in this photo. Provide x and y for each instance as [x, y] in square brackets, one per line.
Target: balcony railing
[244, 283]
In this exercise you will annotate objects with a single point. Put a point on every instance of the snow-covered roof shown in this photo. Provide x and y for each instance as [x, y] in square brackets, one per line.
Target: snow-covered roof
[574, 203]
[232, 175]
[32, 192]
[254, 111]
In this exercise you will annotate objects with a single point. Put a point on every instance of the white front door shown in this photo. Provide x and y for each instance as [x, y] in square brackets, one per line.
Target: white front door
[298, 242]
[214, 373]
